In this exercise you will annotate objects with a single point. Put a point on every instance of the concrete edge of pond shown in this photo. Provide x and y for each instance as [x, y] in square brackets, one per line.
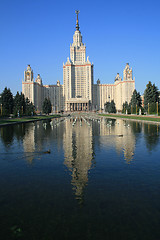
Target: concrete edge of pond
[26, 121]
[134, 120]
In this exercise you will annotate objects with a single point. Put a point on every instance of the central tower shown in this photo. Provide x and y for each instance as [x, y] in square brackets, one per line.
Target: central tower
[78, 75]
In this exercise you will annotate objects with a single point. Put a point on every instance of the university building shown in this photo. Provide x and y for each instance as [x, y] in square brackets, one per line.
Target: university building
[78, 91]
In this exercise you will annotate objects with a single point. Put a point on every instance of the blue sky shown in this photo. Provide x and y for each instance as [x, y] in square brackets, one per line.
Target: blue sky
[39, 33]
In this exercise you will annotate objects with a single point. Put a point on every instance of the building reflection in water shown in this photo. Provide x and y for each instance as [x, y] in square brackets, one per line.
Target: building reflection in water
[29, 143]
[39, 138]
[119, 134]
[78, 152]
[79, 141]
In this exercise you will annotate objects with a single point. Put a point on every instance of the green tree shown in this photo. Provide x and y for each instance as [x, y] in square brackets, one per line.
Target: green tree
[107, 106]
[127, 107]
[19, 104]
[151, 97]
[7, 101]
[47, 107]
[136, 101]
[29, 108]
[110, 107]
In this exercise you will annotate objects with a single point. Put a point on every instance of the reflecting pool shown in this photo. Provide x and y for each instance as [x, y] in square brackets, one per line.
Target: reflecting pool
[81, 177]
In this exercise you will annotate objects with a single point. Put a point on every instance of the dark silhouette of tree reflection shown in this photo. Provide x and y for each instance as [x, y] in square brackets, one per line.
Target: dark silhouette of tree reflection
[151, 135]
[7, 135]
[19, 131]
[136, 127]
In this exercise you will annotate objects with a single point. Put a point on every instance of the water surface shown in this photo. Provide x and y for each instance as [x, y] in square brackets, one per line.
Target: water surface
[101, 180]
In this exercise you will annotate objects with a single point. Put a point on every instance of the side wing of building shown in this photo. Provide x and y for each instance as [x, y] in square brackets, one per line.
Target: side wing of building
[121, 91]
[36, 92]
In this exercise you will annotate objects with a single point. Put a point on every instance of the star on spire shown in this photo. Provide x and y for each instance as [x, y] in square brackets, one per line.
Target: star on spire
[77, 22]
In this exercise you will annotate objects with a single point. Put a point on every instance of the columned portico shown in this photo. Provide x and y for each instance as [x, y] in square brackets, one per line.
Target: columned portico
[78, 104]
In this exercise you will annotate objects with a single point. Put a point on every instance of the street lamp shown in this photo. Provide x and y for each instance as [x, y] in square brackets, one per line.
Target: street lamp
[136, 109]
[148, 108]
[1, 109]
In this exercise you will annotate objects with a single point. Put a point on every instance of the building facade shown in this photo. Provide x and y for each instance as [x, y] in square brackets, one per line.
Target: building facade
[36, 92]
[78, 92]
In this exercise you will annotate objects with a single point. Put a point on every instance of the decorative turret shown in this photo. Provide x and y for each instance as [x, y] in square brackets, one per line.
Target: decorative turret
[88, 60]
[68, 61]
[98, 81]
[28, 74]
[28, 67]
[127, 73]
[58, 83]
[39, 79]
[117, 78]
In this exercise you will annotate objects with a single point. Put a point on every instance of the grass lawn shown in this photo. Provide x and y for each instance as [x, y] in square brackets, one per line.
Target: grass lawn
[144, 118]
[26, 119]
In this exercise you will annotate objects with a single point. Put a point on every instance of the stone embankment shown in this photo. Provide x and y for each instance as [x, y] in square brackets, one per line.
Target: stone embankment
[140, 118]
[13, 121]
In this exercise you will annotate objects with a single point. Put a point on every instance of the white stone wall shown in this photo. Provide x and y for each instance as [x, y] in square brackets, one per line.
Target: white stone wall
[55, 94]
[105, 93]
[28, 91]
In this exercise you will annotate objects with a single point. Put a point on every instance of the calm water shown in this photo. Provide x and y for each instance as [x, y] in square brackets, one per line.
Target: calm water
[101, 180]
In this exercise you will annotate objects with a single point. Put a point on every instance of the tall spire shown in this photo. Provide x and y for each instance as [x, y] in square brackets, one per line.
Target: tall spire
[77, 23]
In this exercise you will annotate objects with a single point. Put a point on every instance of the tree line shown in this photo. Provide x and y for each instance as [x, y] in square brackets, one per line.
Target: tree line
[150, 105]
[19, 105]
